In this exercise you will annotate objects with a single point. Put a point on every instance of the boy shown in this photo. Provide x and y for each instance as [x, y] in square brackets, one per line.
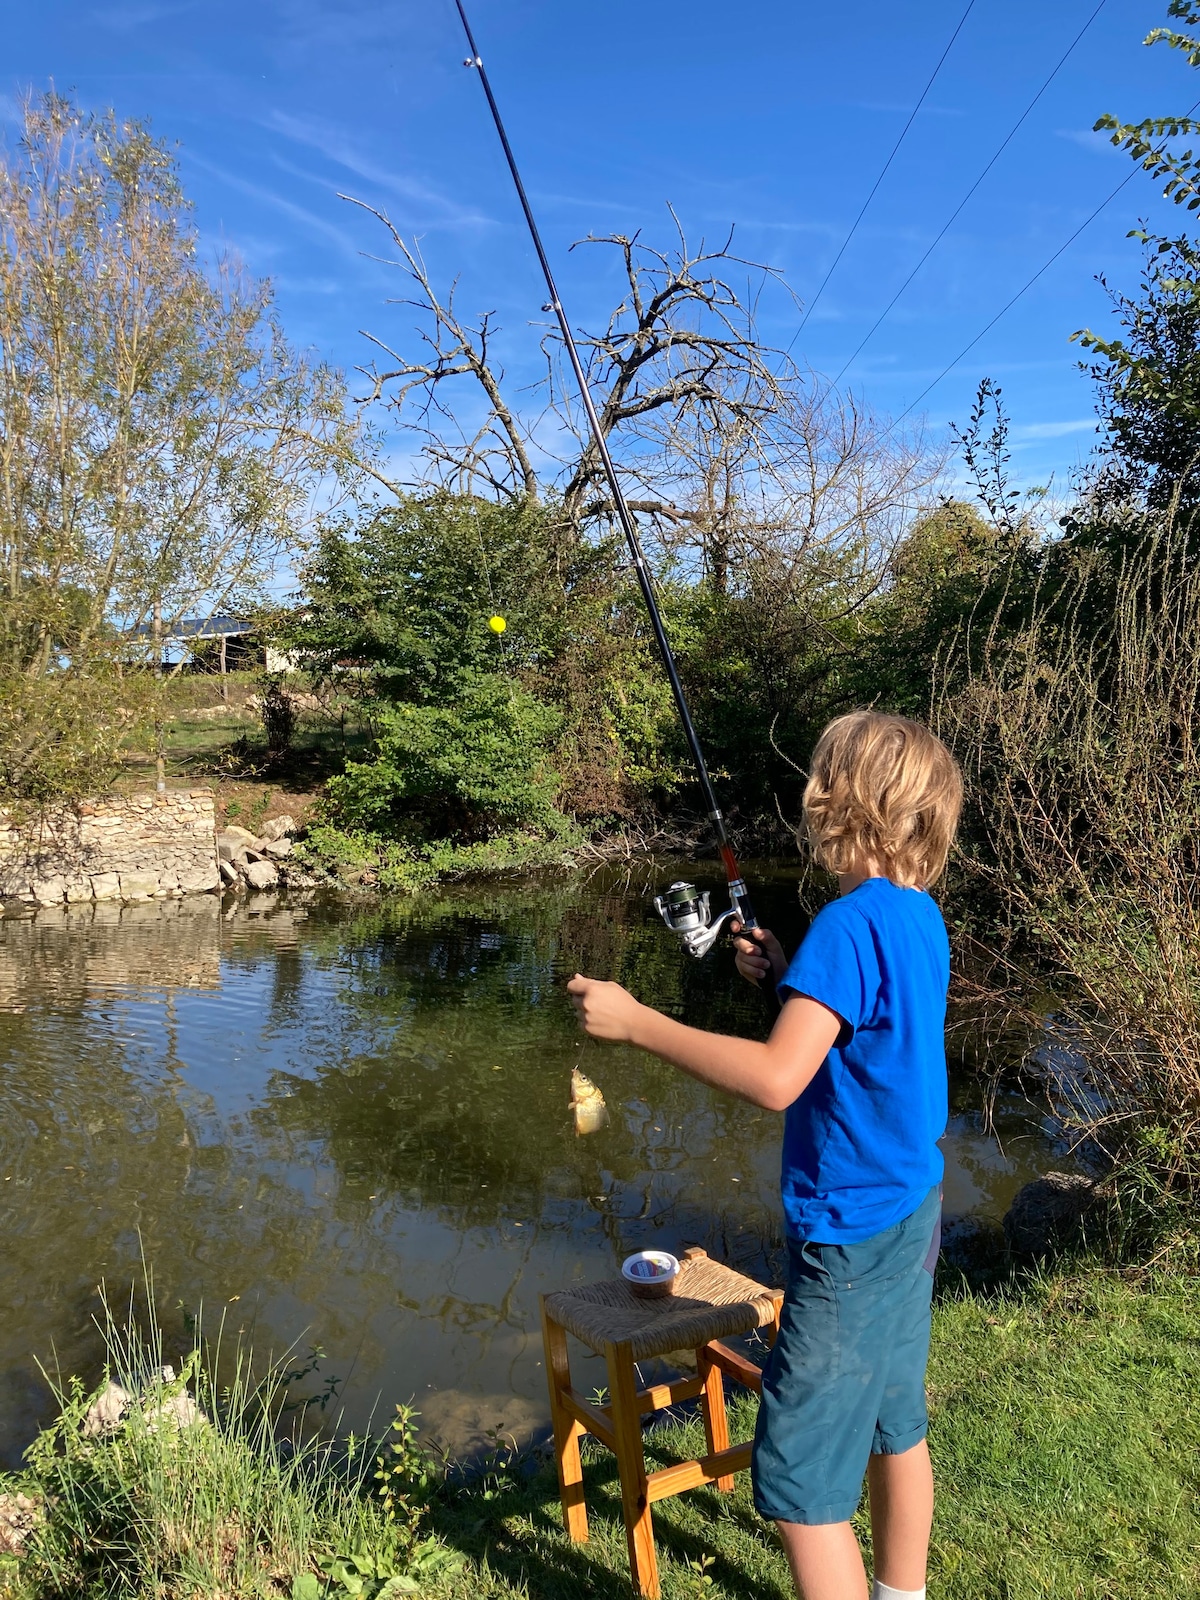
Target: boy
[857, 1061]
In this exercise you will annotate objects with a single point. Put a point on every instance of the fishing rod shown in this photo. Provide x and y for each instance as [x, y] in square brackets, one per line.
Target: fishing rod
[684, 909]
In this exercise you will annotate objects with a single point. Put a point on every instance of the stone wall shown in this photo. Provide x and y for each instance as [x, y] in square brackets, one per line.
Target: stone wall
[124, 847]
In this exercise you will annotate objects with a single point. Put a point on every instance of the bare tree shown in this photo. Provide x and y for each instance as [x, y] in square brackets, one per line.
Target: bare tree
[732, 454]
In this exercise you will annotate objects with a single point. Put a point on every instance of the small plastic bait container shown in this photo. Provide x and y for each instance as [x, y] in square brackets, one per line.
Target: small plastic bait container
[650, 1274]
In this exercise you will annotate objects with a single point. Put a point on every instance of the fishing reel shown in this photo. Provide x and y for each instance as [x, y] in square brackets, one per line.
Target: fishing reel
[687, 912]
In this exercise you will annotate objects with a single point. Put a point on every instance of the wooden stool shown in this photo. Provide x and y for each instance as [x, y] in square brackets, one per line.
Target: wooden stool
[710, 1302]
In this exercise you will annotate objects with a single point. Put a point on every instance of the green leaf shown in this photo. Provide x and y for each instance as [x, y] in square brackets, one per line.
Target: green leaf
[396, 1586]
[306, 1586]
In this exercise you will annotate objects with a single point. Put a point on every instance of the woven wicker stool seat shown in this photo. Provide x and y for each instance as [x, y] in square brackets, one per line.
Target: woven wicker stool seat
[710, 1302]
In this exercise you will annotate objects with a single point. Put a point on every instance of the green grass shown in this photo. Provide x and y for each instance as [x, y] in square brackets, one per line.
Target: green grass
[1065, 1432]
[1066, 1441]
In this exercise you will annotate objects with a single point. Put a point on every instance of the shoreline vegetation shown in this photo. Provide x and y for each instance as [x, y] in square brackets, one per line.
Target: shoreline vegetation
[1067, 1463]
[810, 557]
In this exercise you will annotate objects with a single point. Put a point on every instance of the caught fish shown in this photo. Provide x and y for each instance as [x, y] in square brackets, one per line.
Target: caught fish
[587, 1103]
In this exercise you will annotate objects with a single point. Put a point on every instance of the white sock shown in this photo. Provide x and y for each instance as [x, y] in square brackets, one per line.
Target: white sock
[884, 1591]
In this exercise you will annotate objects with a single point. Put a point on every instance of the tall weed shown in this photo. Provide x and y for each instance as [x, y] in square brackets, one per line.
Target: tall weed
[1079, 734]
[214, 1481]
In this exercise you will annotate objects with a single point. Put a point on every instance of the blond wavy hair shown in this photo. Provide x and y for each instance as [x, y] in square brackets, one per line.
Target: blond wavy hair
[882, 791]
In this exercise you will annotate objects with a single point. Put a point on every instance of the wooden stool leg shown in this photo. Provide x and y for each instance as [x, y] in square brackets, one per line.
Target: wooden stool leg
[631, 1462]
[566, 1430]
[712, 1404]
[772, 1331]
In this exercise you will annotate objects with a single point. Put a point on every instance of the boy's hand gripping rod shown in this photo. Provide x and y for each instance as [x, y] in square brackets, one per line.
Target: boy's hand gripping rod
[682, 907]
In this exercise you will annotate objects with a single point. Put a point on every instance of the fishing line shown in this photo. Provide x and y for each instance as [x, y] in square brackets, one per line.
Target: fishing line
[1029, 283]
[1012, 133]
[685, 913]
[882, 175]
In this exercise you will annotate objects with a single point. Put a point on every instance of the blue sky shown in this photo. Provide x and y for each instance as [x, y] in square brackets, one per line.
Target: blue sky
[773, 117]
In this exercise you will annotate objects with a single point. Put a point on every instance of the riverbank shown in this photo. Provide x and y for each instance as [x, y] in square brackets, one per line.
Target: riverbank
[1065, 1446]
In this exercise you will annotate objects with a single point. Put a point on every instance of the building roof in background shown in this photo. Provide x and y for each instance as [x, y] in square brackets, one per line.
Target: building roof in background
[197, 628]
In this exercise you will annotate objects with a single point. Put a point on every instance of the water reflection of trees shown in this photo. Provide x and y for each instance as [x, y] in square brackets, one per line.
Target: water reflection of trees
[109, 1154]
[461, 1103]
[267, 1102]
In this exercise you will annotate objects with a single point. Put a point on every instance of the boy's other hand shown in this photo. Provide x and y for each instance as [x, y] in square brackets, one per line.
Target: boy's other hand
[606, 1011]
[758, 954]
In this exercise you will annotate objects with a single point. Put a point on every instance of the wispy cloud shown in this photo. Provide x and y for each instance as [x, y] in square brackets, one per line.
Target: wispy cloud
[321, 286]
[1055, 430]
[305, 26]
[588, 202]
[307, 219]
[1097, 144]
[826, 230]
[437, 210]
[133, 15]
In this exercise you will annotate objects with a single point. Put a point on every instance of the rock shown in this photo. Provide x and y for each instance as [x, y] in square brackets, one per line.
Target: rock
[232, 845]
[137, 886]
[1045, 1215]
[49, 891]
[78, 889]
[17, 908]
[112, 1405]
[20, 1515]
[200, 880]
[278, 848]
[107, 1410]
[178, 1409]
[278, 827]
[231, 831]
[181, 1411]
[106, 886]
[229, 873]
[261, 874]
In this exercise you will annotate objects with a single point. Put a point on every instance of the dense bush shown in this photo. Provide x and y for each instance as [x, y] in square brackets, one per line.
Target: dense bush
[477, 734]
[469, 768]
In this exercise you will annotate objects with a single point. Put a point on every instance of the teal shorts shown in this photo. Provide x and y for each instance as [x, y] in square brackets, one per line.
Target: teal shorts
[846, 1377]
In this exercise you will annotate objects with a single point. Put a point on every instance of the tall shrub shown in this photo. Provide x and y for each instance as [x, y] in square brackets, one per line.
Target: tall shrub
[1079, 734]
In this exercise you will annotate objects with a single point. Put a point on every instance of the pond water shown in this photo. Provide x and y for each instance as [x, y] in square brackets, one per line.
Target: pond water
[346, 1123]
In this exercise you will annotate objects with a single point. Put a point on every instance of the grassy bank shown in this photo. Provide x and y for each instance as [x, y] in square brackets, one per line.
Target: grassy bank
[1065, 1435]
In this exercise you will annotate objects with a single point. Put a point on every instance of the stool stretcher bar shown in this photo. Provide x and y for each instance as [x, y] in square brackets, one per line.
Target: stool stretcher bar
[691, 1474]
[598, 1419]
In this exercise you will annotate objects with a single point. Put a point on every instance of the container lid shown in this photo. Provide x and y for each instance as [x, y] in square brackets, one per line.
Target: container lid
[649, 1266]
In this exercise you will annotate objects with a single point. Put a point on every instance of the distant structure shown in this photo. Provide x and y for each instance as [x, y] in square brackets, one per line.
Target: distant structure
[190, 632]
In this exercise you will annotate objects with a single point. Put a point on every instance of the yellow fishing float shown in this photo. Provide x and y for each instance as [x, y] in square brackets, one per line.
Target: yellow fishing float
[497, 624]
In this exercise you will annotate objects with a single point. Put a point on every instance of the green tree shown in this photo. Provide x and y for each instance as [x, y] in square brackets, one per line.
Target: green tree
[1148, 377]
[476, 732]
[159, 439]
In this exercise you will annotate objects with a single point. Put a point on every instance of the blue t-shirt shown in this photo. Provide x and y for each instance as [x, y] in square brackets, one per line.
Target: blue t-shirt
[859, 1145]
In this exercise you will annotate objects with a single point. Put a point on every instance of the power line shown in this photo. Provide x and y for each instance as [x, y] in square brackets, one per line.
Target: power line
[882, 174]
[1011, 135]
[1029, 283]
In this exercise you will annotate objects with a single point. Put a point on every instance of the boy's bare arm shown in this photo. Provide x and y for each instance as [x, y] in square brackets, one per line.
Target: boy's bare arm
[771, 1075]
